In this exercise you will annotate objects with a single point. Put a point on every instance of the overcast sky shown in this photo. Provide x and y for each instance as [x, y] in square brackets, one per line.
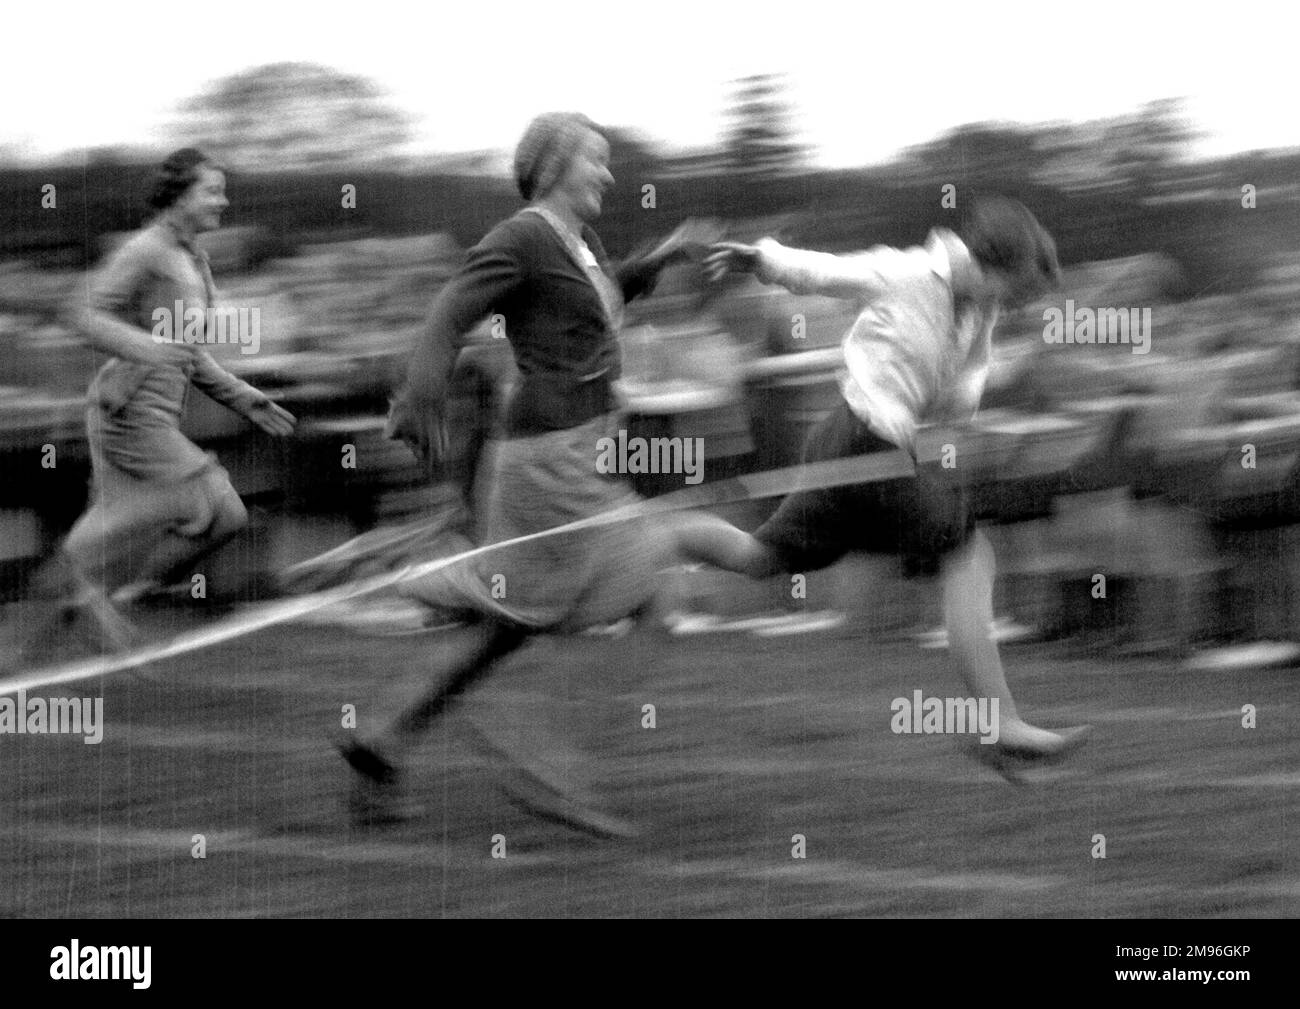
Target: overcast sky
[865, 80]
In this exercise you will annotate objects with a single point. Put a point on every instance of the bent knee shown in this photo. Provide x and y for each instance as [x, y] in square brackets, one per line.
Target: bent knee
[215, 511]
[230, 516]
[82, 542]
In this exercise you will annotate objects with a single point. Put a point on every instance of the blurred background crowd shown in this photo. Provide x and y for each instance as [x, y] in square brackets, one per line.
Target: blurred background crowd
[1085, 459]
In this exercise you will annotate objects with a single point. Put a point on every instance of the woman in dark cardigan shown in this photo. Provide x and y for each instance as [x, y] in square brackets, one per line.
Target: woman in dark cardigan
[544, 277]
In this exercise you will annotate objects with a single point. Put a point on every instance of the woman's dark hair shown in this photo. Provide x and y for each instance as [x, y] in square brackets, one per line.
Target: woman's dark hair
[1002, 234]
[175, 175]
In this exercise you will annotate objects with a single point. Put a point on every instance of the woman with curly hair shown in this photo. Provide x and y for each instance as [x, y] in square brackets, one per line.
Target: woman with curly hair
[159, 502]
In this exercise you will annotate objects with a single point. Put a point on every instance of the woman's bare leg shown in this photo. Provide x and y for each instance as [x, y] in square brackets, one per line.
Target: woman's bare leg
[177, 551]
[704, 538]
[968, 612]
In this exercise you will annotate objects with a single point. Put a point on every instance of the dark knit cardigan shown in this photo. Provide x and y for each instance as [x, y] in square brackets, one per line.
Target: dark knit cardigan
[550, 313]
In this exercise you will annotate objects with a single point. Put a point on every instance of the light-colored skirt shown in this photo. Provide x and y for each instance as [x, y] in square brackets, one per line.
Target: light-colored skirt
[144, 472]
[142, 444]
[564, 582]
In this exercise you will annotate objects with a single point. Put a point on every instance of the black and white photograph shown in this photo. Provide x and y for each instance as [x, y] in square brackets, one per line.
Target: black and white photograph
[674, 460]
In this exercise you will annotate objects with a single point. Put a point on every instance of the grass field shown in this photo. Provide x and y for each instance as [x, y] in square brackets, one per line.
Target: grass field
[756, 740]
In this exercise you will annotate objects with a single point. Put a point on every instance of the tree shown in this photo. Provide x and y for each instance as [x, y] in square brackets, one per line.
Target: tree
[1136, 153]
[760, 140]
[979, 153]
[1146, 146]
[288, 116]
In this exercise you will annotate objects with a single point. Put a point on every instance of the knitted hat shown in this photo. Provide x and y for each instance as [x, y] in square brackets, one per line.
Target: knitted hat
[547, 147]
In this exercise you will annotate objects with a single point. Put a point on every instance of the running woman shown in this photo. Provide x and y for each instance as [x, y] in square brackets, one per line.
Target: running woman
[159, 502]
[545, 275]
[919, 352]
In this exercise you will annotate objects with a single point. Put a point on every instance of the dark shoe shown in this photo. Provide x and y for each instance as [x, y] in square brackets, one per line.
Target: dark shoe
[1016, 764]
[376, 797]
[367, 761]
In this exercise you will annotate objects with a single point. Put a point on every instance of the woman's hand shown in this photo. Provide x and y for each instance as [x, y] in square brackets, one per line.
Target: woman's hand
[422, 427]
[166, 353]
[690, 240]
[271, 417]
[731, 257]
